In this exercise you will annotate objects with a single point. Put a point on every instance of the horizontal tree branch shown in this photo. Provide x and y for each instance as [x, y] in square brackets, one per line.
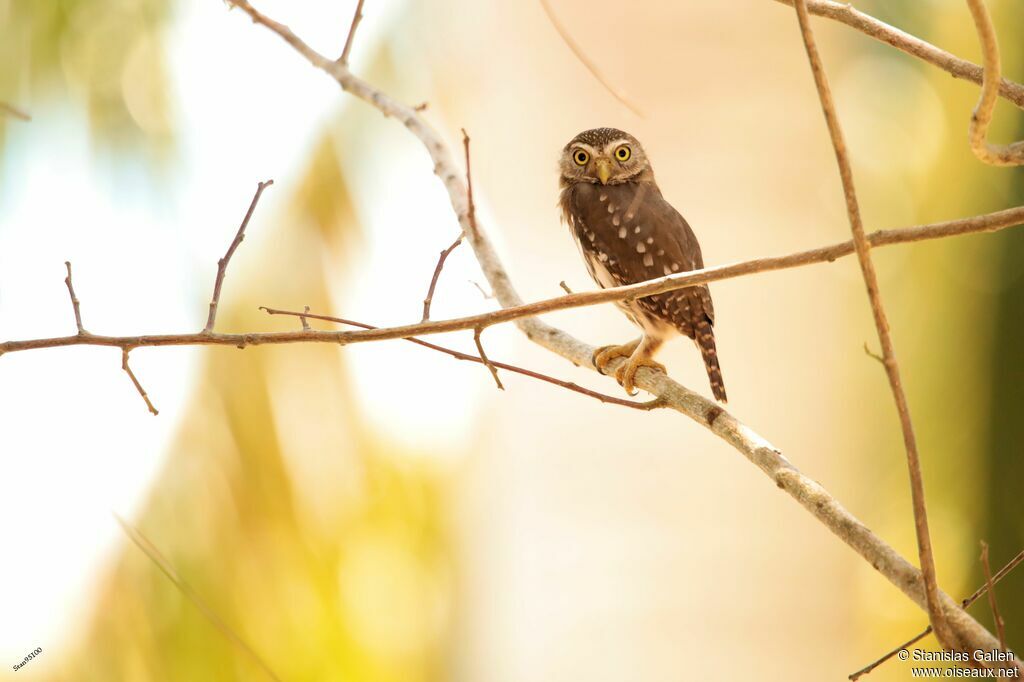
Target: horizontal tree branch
[808, 493]
[845, 13]
[990, 222]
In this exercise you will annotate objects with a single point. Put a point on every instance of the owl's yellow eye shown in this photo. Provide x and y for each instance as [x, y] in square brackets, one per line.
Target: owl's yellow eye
[580, 157]
[622, 153]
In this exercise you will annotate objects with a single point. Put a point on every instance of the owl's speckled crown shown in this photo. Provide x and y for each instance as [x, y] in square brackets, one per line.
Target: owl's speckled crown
[599, 137]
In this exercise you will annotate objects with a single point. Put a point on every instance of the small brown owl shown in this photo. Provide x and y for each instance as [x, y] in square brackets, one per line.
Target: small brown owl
[628, 233]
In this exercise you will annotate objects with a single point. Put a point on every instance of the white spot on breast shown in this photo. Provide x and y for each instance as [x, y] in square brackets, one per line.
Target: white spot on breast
[675, 267]
[615, 219]
[649, 260]
[666, 269]
[640, 248]
[636, 230]
[622, 233]
[650, 240]
[603, 197]
[611, 208]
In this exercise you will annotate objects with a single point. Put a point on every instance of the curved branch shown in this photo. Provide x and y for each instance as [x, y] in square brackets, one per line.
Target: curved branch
[992, 154]
[758, 450]
[846, 14]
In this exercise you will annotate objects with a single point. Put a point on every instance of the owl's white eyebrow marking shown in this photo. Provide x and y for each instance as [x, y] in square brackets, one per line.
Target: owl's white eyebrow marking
[640, 248]
[615, 219]
[622, 233]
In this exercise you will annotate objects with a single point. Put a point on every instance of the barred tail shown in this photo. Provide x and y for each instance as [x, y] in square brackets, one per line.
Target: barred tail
[705, 338]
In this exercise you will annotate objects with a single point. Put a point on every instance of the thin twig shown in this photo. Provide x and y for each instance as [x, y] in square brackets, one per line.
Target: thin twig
[150, 550]
[873, 355]
[222, 264]
[924, 543]
[991, 222]
[14, 111]
[487, 296]
[138, 386]
[1003, 572]
[565, 287]
[846, 14]
[981, 118]
[356, 18]
[990, 588]
[75, 303]
[483, 357]
[604, 398]
[437, 274]
[587, 61]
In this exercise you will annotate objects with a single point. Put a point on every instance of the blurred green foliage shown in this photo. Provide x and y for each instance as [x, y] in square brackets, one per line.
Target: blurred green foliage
[104, 56]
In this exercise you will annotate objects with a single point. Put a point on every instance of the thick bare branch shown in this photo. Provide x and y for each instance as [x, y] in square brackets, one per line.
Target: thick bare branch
[865, 23]
[867, 266]
[222, 264]
[981, 118]
[804, 490]
[587, 61]
[75, 303]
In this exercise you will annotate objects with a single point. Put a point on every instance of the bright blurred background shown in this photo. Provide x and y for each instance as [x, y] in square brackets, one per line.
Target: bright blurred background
[381, 512]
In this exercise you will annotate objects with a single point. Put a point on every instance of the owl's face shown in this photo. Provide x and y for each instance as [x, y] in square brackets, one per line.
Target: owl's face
[603, 155]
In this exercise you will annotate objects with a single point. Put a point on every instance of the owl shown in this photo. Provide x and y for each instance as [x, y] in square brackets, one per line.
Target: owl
[628, 233]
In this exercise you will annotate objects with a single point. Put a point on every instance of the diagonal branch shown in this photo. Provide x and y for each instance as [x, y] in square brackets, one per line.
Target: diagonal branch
[587, 61]
[356, 18]
[13, 111]
[76, 305]
[437, 274]
[990, 589]
[138, 386]
[222, 264]
[981, 118]
[991, 222]
[892, 369]
[846, 14]
[809, 494]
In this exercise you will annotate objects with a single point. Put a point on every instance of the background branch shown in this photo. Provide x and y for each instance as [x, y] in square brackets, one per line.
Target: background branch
[981, 118]
[892, 369]
[14, 111]
[846, 14]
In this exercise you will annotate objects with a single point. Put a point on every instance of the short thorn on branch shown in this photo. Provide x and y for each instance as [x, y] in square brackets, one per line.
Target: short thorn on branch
[75, 303]
[565, 287]
[138, 386]
[222, 264]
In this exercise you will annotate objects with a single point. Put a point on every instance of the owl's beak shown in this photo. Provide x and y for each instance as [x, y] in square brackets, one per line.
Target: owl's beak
[604, 170]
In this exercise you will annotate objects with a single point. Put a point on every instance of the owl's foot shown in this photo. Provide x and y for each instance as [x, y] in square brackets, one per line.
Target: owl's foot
[638, 354]
[605, 354]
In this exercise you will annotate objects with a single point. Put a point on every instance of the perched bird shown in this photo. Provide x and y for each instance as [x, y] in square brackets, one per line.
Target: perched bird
[628, 233]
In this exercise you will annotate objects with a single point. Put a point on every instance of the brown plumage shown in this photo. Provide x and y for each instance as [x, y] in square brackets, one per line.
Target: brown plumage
[628, 233]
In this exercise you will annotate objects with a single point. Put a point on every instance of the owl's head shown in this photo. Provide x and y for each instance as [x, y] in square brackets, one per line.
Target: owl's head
[606, 156]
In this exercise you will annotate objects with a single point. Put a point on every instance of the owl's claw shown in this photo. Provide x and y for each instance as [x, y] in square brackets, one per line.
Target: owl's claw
[625, 374]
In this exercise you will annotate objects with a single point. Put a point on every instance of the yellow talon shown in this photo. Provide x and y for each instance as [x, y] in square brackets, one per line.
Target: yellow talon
[638, 354]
